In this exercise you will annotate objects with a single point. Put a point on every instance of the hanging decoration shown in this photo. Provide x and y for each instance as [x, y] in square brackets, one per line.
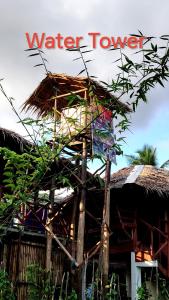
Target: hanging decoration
[103, 133]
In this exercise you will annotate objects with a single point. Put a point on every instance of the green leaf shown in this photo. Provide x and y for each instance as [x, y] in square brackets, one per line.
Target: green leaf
[72, 49]
[87, 51]
[77, 58]
[159, 81]
[34, 54]
[38, 65]
[30, 49]
[82, 71]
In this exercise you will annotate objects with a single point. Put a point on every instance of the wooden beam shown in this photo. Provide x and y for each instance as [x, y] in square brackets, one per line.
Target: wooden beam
[161, 248]
[92, 217]
[69, 94]
[54, 236]
[61, 245]
[123, 224]
[153, 227]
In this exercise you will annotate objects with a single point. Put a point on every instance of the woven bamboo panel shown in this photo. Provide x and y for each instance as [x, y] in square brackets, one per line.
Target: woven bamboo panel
[20, 254]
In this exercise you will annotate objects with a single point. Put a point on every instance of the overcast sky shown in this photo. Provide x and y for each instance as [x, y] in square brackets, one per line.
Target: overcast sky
[75, 17]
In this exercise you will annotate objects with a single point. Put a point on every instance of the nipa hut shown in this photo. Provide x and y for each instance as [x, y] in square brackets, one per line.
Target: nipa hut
[23, 232]
[139, 226]
[13, 141]
[140, 223]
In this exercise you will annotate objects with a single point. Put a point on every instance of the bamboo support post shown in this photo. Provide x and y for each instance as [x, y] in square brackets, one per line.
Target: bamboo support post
[72, 227]
[69, 94]
[51, 199]
[81, 224]
[61, 245]
[49, 236]
[105, 230]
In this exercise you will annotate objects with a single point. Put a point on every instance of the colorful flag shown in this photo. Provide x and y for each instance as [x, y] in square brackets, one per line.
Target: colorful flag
[103, 133]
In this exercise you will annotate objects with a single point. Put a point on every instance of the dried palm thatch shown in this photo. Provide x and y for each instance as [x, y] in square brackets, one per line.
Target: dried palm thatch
[149, 177]
[13, 141]
[42, 99]
[18, 144]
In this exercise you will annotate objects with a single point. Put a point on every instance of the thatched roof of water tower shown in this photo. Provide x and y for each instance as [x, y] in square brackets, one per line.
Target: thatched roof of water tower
[42, 99]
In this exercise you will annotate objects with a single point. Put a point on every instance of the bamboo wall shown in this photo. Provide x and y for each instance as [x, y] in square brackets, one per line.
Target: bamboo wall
[19, 254]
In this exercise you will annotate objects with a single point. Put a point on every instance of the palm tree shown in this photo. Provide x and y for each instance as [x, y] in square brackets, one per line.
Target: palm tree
[146, 156]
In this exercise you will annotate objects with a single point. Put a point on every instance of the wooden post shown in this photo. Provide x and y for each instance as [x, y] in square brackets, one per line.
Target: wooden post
[81, 223]
[51, 200]
[72, 227]
[73, 219]
[105, 230]
[54, 236]
[49, 237]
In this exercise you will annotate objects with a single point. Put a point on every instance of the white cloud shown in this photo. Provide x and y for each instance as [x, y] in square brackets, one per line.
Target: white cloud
[73, 17]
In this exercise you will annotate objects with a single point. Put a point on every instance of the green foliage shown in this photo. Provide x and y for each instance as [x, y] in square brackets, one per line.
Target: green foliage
[40, 285]
[163, 288]
[73, 296]
[165, 164]
[146, 156]
[143, 293]
[137, 74]
[113, 292]
[112, 288]
[141, 73]
[23, 174]
[6, 288]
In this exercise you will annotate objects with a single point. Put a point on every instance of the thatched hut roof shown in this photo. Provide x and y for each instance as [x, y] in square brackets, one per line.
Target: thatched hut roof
[18, 144]
[13, 141]
[148, 177]
[42, 99]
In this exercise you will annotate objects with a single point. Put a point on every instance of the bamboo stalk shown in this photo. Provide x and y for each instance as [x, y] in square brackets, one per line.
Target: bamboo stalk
[81, 223]
[49, 245]
[105, 230]
[60, 245]
[51, 199]
[72, 226]
[69, 94]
